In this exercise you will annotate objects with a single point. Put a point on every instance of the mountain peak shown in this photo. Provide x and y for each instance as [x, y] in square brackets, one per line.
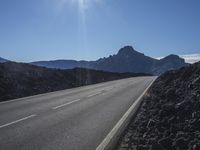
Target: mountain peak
[173, 57]
[127, 50]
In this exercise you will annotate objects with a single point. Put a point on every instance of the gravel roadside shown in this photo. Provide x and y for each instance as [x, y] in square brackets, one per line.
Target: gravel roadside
[169, 118]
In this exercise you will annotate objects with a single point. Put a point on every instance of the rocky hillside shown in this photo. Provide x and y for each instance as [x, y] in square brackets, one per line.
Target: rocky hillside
[2, 60]
[126, 60]
[19, 80]
[169, 118]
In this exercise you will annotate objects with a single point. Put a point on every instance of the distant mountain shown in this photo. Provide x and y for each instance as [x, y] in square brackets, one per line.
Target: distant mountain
[2, 60]
[20, 80]
[126, 60]
[171, 62]
[62, 64]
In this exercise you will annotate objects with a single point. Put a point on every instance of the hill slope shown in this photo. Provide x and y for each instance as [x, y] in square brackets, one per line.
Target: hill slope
[19, 80]
[2, 60]
[126, 60]
[169, 116]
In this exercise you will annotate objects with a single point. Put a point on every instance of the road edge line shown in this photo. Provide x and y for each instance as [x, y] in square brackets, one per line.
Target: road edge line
[113, 136]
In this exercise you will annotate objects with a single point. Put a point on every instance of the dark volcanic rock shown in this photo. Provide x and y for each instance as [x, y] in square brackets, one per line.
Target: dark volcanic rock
[170, 114]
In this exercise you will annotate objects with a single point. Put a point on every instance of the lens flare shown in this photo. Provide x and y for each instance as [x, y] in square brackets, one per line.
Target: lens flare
[84, 7]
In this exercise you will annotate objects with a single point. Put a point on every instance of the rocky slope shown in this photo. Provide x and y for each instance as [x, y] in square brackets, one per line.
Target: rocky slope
[19, 80]
[2, 60]
[169, 118]
[126, 60]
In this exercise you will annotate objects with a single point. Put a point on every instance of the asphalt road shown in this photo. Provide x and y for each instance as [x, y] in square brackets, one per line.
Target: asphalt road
[73, 119]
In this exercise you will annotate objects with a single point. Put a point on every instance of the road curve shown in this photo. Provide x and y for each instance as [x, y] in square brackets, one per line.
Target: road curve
[73, 119]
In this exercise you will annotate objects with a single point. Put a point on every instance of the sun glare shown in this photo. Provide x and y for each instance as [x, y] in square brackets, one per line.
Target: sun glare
[83, 8]
[84, 4]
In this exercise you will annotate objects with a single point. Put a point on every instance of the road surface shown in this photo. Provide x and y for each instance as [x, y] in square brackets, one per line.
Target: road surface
[73, 119]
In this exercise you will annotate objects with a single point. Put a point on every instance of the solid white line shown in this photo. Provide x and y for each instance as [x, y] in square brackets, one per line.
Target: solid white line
[25, 118]
[112, 134]
[56, 107]
[94, 94]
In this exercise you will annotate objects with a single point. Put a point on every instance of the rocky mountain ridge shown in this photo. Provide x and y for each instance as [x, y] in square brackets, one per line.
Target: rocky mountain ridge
[126, 60]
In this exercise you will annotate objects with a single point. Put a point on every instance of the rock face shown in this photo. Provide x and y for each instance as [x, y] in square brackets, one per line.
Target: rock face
[20, 80]
[126, 60]
[169, 118]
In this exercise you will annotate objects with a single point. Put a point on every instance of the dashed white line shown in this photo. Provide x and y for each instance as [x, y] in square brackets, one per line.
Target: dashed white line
[56, 107]
[94, 94]
[25, 118]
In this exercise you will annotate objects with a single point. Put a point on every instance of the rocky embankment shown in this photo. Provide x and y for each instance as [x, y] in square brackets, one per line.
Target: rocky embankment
[169, 118]
[20, 80]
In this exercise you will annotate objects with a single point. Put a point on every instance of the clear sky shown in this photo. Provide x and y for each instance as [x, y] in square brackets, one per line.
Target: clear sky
[88, 29]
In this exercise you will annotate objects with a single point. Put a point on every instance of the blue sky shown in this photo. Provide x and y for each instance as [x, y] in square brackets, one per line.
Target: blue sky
[88, 29]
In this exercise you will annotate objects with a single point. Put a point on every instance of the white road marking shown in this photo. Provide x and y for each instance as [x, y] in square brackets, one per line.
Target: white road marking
[67, 91]
[56, 107]
[25, 118]
[94, 94]
[114, 133]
